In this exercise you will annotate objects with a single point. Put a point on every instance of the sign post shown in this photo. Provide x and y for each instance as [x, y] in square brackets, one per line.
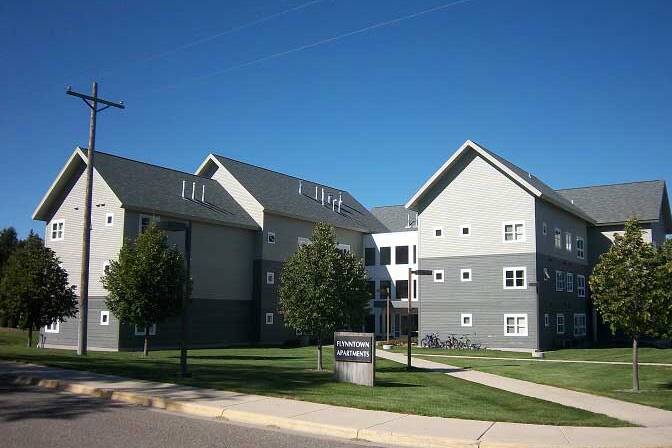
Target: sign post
[355, 358]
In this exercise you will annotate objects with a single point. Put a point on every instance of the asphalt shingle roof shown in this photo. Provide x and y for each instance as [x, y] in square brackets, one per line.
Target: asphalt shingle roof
[279, 193]
[143, 186]
[395, 217]
[617, 203]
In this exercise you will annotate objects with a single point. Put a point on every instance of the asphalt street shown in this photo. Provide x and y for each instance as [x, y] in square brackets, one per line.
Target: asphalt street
[34, 417]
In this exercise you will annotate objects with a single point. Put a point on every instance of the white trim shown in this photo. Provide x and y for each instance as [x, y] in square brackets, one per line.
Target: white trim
[461, 231]
[557, 323]
[440, 229]
[514, 269]
[344, 247]
[270, 236]
[439, 271]
[580, 289]
[77, 152]
[104, 318]
[108, 222]
[583, 327]
[462, 272]
[569, 284]
[270, 278]
[513, 224]
[568, 242]
[471, 320]
[269, 318]
[54, 327]
[152, 330]
[61, 229]
[520, 330]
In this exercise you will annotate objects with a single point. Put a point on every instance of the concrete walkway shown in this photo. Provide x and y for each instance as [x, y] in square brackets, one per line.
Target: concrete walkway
[315, 418]
[622, 410]
[568, 361]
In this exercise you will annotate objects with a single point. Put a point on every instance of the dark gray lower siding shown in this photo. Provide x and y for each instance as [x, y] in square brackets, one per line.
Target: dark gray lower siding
[441, 304]
[269, 303]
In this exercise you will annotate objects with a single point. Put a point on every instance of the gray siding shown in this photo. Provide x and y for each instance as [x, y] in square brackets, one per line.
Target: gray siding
[555, 217]
[484, 297]
[237, 190]
[100, 337]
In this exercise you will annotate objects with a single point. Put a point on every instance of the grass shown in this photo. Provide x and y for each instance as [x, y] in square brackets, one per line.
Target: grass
[289, 373]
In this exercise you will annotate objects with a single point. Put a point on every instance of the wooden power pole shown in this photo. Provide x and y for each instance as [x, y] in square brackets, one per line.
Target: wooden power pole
[92, 101]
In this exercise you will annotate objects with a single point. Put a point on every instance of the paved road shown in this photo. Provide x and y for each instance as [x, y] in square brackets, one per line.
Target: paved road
[31, 417]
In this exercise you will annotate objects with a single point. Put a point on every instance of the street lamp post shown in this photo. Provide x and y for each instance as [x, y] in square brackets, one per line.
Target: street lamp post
[173, 226]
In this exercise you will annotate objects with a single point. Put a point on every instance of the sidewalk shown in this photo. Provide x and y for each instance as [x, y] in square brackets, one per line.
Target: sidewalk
[567, 361]
[315, 418]
[622, 410]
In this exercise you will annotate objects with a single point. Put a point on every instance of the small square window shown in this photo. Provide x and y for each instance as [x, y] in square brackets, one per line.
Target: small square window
[270, 278]
[438, 232]
[109, 219]
[58, 230]
[465, 230]
[466, 320]
[303, 241]
[270, 237]
[438, 275]
[269, 318]
[54, 327]
[465, 275]
[141, 331]
[104, 318]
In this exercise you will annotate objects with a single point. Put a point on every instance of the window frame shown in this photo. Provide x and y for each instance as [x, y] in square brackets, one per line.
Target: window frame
[547, 320]
[106, 314]
[271, 320]
[568, 242]
[544, 228]
[569, 285]
[439, 271]
[270, 278]
[580, 289]
[514, 269]
[301, 241]
[53, 329]
[558, 325]
[396, 254]
[270, 238]
[109, 223]
[584, 326]
[440, 229]
[513, 232]
[559, 280]
[342, 247]
[152, 330]
[471, 319]
[152, 219]
[462, 272]
[397, 289]
[516, 316]
[380, 290]
[461, 233]
[369, 250]
[581, 255]
[557, 238]
[62, 229]
[389, 255]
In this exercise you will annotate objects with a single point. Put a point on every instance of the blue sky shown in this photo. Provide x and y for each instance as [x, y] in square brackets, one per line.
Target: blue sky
[576, 92]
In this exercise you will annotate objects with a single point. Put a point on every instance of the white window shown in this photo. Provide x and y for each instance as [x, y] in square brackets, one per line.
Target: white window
[570, 282]
[580, 285]
[345, 248]
[580, 248]
[559, 281]
[104, 318]
[558, 238]
[438, 232]
[580, 324]
[106, 266]
[109, 219]
[568, 241]
[465, 275]
[515, 278]
[270, 278]
[546, 320]
[57, 230]
[513, 231]
[269, 318]
[53, 327]
[515, 325]
[465, 230]
[438, 275]
[544, 228]
[145, 221]
[270, 237]
[560, 323]
[141, 331]
[466, 320]
[304, 241]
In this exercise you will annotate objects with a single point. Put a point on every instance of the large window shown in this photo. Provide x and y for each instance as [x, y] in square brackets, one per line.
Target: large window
[401, 255]
[559, 281]
[57, 229]
[570, 282]
[385, 289]
[558, 238]
[402, 289]
[385, 256]
[53, 327]
[514, 278]
[568, 241]
[515, 325]
[580, 285]
[141, 331]
[580, 248]
[580, 324]
[369, 256]
[560, 323]
[514, 231]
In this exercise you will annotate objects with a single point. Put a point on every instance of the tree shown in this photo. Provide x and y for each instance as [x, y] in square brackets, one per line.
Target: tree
[34, 290]
[625, 289]
[8, 244]
[146, 284]
[323, 289]
[664, 289]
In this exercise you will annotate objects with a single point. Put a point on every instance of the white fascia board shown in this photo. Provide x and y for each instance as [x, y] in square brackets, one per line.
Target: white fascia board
[68, 164]
[412, 203]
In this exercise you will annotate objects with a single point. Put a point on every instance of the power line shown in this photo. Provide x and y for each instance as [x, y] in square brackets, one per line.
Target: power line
[318, 43]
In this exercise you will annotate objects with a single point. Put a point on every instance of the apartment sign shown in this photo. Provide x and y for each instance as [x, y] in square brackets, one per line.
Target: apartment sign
[355, 358]
[351, 348]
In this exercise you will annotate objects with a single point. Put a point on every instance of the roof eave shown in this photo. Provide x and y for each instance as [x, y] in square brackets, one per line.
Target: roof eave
[574, 211]
[40, 213]
[151, 211]
[307, 219]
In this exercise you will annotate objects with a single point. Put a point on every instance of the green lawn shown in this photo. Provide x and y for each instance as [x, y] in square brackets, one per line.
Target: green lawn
[288, 373]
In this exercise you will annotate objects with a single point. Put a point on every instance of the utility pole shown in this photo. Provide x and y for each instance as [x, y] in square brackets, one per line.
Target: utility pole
[91, 101]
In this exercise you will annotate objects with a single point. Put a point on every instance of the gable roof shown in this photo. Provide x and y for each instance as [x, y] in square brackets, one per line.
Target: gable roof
[616, 203]
[395, 218]
[279, 193]
[524, 179]
[155, 189]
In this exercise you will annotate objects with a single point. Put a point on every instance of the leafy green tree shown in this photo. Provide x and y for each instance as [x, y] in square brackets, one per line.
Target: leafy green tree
[34, 289]
[323, 289]
[146, 284]
[626, 291]
[664, 289]
[8, 244]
